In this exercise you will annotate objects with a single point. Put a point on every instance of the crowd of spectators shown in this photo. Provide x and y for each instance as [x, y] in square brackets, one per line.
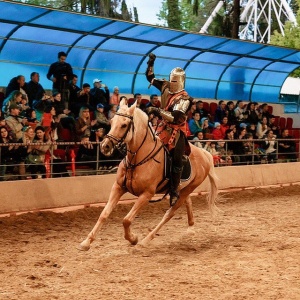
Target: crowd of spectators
[246, 131]
[30, 115]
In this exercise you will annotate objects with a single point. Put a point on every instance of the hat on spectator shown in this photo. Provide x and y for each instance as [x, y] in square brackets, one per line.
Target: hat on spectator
[217, 124]
[13, 106]
[203, 119]
[96, 80]
[243, 125]
[100, 105]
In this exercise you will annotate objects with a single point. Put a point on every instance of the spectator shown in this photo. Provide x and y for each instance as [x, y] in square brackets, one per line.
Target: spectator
[217, 132]
[64, 115]
[251, 155]
[15, 97]
[40, 105]
[264, 111]
[203, 112]
[272, 125]
[31, 116]
[14, 122]
[225, 125]
[154, 101]
[194, 124]
[9, 154]
[60, 73]
[101, 118]
[250, 114]
[231, 113]
[205, 125]
[16, 84]
[36, 156]
[220, 112]
[137, 97]
[51, 123]
[235, 149]
[73, 95]
[262, 128]
[199, 140]
[239, 112]
[112, 111]
[34, 89]
[24, 150]
[115, 97]
[98, 136]
[251, 129]
[83, 124]
[23, 106]
[84, 99]
[191, 111]
[287, 146]
[87, 152]
[99, 95]
[270, 146]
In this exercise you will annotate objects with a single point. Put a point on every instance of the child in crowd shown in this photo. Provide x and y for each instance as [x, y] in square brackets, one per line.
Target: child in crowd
[101, 117]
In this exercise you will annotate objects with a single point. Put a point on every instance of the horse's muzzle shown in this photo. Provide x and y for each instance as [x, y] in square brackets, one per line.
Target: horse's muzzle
[107, 147]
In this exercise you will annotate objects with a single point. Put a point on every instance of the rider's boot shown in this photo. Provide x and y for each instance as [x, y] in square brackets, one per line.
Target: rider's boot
[174, 190]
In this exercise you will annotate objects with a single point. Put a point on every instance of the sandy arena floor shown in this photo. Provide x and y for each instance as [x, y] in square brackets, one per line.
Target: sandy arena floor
[251, 250]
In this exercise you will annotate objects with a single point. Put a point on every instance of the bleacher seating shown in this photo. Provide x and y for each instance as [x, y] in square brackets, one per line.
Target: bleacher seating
[212, 108]
[289, 122]
[282, 122]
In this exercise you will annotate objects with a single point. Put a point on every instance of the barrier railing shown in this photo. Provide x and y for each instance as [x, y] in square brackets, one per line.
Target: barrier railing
[60, 159]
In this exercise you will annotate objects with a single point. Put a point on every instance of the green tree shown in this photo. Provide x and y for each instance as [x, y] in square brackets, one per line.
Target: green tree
[174, 14]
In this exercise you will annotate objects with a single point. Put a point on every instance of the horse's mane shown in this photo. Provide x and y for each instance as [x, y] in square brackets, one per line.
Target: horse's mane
[139, 117]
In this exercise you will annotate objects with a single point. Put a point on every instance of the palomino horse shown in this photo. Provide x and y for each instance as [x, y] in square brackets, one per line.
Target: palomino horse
[142, 172]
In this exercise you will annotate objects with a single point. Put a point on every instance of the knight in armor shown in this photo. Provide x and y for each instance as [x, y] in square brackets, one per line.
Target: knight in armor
[175, 102]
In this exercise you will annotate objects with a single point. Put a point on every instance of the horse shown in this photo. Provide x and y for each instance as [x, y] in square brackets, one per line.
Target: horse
[141, 173]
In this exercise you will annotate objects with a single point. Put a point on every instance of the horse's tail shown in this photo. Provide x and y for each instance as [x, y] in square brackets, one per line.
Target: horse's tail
[213, 178]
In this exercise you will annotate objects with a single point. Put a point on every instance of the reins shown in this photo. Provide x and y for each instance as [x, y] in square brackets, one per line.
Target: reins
[119, 141]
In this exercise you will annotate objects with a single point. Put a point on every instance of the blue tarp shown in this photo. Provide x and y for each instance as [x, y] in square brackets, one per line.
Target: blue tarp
[116, 52]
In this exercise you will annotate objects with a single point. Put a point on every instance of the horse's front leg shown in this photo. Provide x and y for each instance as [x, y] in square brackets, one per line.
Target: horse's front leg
[189, 210]
[115, 195]
[127, 221]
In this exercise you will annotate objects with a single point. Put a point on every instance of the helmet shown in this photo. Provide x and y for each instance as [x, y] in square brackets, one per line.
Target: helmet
[177, 80]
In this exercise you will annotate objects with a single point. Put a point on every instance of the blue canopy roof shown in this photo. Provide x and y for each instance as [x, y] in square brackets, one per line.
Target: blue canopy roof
[116, 52]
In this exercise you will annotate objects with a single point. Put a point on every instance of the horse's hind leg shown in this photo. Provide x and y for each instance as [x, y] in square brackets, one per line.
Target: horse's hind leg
[114, 197]
[168, 216]
[127, 221]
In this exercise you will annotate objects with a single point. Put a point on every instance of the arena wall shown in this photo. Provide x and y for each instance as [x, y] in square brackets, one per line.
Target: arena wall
[32, 195]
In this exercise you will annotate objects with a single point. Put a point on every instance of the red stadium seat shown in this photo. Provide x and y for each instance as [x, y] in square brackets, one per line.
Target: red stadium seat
[289, 123]
[282, 122]
[206, 106]
[65, 135]
[212, 108]
[270, 109]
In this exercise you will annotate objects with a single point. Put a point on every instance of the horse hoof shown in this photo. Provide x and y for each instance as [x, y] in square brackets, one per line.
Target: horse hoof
[134, 241]
[84, 246]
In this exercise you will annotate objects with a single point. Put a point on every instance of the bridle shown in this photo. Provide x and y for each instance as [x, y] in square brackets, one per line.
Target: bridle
[118, 143]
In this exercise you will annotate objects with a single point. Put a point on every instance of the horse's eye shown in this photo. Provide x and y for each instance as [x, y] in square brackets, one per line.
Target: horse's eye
[123, 126]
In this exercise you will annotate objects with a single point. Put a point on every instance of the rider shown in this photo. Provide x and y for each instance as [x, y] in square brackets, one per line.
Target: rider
[175, 102]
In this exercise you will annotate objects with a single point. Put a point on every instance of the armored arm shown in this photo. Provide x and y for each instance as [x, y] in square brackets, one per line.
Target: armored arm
[150, 67]
[166, 115]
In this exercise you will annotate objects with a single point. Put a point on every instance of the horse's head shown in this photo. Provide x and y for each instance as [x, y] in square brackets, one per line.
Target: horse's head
[122, 128]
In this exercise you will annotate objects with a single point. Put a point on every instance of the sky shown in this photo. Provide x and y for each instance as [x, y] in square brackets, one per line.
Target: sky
[147, 10]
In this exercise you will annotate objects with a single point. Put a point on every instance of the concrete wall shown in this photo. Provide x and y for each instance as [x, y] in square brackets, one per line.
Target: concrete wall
[38, 194]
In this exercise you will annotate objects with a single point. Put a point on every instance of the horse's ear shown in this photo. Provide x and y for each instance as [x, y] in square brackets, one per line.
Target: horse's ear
[132, 108]
[123, 102]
